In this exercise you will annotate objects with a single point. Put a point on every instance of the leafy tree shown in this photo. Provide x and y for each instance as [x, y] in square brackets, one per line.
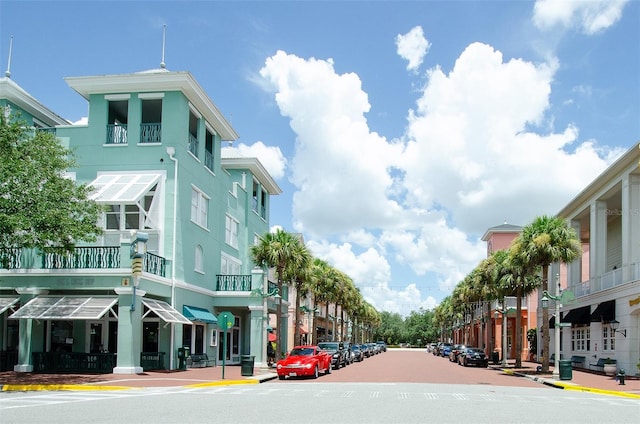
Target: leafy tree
[39, 206]
[545, 241]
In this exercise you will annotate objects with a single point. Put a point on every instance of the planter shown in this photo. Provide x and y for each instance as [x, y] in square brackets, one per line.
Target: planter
[610, 369]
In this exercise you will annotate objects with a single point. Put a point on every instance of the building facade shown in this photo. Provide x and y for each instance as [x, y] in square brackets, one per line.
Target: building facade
[175, 206]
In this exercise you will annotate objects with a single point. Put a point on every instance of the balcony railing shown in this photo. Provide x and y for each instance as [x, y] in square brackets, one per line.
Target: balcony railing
[116, 134]
[233, 283]
[607, 280]
[95, 257]
[150, 133]
[193, 145]
[73, 362]
[208, 159]
[101, 257]
[50, 130]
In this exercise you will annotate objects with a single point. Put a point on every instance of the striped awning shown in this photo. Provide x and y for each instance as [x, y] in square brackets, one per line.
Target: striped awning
[164, 311]
[65, 308]
[7, 302]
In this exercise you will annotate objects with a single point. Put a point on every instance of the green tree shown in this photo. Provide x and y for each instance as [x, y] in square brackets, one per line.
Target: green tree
[279, 250]
[545, 241]
[39, 206]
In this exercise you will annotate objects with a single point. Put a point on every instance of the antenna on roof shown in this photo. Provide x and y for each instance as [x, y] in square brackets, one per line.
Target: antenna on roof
[164, 30]
[8, 73]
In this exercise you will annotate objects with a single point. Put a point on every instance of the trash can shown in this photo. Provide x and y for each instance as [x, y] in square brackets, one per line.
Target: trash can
[246, 365]
[495, 357]
[565, 369]
[182, 359]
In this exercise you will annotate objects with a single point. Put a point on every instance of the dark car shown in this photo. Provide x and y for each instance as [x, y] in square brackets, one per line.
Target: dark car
[455, 351]
[382, 345]
[445, 349]
[473, 356]
[366, 350]
[337, 352]
[348, 353]
[358, 354]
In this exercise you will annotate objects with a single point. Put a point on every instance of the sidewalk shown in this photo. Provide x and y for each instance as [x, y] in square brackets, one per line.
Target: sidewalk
[581, 380]
[211, 376]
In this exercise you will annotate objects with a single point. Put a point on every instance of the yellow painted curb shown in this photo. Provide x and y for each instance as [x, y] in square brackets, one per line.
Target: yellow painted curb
[601, 391]
[222, 383]
[58, 387]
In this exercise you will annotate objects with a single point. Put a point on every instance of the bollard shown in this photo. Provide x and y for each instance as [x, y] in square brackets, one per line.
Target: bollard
[620, 376]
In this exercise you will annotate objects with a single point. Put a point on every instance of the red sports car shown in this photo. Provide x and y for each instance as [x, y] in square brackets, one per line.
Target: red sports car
[306, 361]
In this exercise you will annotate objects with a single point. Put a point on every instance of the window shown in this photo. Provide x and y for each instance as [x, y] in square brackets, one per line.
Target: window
[581, 338]
[608, 338]
[199, 207]
[231, 232]
[199, 259]
[230, 266]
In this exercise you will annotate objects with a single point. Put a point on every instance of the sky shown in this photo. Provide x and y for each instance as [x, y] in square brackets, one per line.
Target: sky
[399, 131]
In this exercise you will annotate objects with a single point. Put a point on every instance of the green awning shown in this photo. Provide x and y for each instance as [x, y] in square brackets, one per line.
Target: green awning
[198, 314]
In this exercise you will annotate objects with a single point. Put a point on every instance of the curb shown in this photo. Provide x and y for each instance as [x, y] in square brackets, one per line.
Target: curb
[94, 387]
[571, 386]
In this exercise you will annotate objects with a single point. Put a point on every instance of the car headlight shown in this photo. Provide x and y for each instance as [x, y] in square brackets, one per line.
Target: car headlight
[307, 366]
[279, 366]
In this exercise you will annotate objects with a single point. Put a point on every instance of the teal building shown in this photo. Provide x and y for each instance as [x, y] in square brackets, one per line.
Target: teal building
[179, 219]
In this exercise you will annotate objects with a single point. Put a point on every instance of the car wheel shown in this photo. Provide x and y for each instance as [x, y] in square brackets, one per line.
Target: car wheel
[464, 362]
[315, 372]
[459, 361]
[328, 370]
[281, 377]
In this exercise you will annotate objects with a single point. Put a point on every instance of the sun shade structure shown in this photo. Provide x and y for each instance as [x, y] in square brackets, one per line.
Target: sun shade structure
[7, 302]
[604, 312]
[578, 315]
[66, 308]
[122, 188]
[165, 311]
[198, 314]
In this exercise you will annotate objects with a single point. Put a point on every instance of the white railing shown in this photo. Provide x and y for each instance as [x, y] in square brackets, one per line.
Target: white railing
[607, 280]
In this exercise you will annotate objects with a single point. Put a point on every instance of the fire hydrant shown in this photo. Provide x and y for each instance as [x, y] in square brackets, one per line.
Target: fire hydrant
[620, 376]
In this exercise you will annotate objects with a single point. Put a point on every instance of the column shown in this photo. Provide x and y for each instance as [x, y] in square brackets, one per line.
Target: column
[597, 242]
[630, 225]
[574, 269]
[258, 343]
[129, 331]
[26, 332]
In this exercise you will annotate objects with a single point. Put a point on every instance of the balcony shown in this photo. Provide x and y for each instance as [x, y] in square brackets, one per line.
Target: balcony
[233, 283]
[193, 145]
[98, 257]
[608, 280]
[117, 134]
[208, 160]
[150, 133]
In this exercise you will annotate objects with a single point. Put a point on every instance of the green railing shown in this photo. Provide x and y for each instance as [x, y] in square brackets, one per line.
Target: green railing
[73, 362]
[155, 264]
[233, 283]
[193, 145]
[10, 258]
[150, 133]
[100, 257]
[117, 134]
[152, 361]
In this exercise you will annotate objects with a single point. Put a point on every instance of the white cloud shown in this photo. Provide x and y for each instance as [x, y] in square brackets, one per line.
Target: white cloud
[588, 16]
[270, 157]
[474, 155]
[413, 47]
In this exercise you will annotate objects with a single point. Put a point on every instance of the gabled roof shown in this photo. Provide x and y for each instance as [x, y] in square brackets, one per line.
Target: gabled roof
[159, 80]
[256, 168]
[15, 94]
[504, 228]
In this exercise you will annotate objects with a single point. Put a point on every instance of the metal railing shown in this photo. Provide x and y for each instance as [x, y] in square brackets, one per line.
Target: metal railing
[99, 257]
[155, 264]
[74, 362]
[233, 283]
[150, 133]
[193, 145]
[607, 280]
[117, 134]
[208, 160]
[10, 258]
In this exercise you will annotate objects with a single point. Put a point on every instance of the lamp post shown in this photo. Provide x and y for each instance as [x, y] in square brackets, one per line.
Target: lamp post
[614, 326]
[503, 311]
[546, 296]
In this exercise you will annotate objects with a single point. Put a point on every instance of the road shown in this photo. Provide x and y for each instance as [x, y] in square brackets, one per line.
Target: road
[374, 391]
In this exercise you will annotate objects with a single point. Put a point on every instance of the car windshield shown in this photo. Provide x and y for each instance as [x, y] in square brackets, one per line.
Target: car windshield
[475, 350]
[329, 346]
[303, 351]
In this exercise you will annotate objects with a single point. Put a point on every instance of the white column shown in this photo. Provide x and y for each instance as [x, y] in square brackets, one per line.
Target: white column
[630, 224]
[598, 242]
[574, 269]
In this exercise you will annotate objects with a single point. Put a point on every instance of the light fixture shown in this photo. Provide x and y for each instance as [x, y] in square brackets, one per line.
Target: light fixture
[614, 326]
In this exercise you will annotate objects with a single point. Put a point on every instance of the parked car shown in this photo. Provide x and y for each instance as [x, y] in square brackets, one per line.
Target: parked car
[455, 351]
[358, 354]
[473, 356]
[382, 345]
[304, 361]
[348, 354]
[445, 349]
[337, 352]
[366, 350]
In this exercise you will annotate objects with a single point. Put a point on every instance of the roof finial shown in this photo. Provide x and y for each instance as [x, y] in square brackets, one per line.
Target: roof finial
[8, 73]
[164, 30]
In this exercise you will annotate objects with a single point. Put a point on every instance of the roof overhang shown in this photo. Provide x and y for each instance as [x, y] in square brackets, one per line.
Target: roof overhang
[65, 308]
[165, 312]
[15, 94]
[122, 188]
[198, 314]
[157, 81]
[256, 168]
[7, 303]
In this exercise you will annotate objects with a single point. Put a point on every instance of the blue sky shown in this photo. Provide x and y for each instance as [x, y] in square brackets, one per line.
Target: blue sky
[399, 131]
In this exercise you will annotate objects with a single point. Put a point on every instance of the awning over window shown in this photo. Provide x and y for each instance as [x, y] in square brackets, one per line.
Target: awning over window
[122, 188]
[7, 302]
[605, 311]
[199, 314]
[165, 311]
[578, 316]
[65, 308]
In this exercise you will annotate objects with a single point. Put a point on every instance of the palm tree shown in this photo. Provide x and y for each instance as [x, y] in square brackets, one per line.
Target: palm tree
[279, 250]
[298, 271]
[545, 241]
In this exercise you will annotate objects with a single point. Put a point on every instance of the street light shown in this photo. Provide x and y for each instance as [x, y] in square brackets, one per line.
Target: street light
[503, 311]
[614, 326]
[546, 296]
